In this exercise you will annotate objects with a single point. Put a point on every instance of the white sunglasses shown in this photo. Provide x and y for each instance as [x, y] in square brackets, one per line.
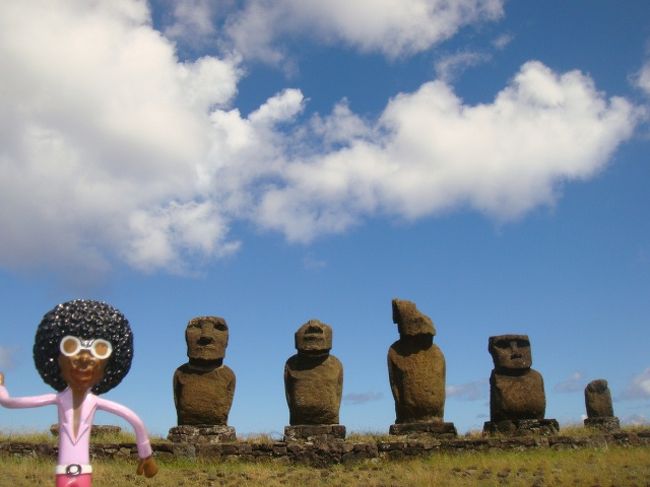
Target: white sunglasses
[98, 348]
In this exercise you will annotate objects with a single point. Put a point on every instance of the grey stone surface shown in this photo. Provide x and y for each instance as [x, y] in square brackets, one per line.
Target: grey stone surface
[202, 434]
[522, 427]
[314, 433]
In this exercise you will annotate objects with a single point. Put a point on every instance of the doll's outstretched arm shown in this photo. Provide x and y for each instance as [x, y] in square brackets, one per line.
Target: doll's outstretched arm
[147, 464]
[23, 402]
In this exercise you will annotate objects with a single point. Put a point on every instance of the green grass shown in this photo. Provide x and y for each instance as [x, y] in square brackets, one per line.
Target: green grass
[605, 467]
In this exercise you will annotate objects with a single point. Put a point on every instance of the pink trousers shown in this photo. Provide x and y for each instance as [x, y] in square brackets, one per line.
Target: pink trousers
[83, 480]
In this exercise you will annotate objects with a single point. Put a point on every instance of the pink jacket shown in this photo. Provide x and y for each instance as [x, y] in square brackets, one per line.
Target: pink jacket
[75, 450]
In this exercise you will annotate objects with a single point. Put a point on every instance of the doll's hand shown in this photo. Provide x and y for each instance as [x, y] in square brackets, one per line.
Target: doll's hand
[147, 466]
[2, 379]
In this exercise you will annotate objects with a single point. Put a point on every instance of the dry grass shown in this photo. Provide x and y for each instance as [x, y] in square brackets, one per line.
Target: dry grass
[606, 467]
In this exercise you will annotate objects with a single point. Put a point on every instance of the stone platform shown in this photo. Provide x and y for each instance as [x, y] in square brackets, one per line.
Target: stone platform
[522, 427]
[314, 432]
[435, 429]
[202, 433]
[609, 424]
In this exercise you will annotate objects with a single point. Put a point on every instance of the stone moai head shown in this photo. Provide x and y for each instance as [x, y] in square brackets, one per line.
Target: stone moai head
[598, 399]
[207, 338]
[410, 321]
[510, 352]
[314, 338]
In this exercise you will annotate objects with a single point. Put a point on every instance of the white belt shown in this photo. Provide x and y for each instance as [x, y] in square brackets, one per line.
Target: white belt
[73, 469]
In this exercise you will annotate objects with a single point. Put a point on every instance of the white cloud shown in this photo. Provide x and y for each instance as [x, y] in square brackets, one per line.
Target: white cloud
[642, 78]
[502, 41]
[6, 359]
[101, 128]
[432, 152]
[392, 27]
[362, 397]
[639, 388]
[471, 391]
[450, 67]
[111, 148]
[574, 383]
[192, 21]
[636, 420]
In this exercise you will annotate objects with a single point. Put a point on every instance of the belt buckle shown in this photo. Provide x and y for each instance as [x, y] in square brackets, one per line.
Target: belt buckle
[73, 469]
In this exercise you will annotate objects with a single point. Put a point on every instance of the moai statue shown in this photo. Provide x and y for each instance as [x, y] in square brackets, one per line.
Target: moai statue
[416, 370]
[313, 384]
[600, 412]
[204, 387]
[517, 399]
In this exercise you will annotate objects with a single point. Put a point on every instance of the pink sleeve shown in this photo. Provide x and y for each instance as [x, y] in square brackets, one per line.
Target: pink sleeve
[25, 402]
[141, 437]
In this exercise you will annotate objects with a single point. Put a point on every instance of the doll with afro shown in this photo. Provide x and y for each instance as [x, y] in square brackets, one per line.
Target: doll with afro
[82, 349]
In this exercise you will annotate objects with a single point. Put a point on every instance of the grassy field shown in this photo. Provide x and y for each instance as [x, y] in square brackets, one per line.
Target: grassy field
[603, 467]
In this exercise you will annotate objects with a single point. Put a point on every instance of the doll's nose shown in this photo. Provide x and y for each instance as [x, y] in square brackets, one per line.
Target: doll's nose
[84, 360]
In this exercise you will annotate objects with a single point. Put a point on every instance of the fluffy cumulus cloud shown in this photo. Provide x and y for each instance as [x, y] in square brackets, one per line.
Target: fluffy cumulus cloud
[105, 138]
[392, 27]
[429, 152]
[111, 148]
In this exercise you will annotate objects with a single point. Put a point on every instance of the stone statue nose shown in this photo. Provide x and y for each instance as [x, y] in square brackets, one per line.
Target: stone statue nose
[205, 340]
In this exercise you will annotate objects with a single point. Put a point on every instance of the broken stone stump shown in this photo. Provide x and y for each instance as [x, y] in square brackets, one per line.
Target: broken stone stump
[437, 429]
[522, 427]
[202, 434]
[416, 368]
[600, 412]
[315, 433]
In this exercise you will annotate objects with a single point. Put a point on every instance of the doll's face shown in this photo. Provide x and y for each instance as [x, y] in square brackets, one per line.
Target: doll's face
[82, 362]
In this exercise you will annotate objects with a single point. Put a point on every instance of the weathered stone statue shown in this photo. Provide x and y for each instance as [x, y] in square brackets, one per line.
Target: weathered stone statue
[204, 387]
[600, 412]
[416, 370]
[313, 382]
[517, 399]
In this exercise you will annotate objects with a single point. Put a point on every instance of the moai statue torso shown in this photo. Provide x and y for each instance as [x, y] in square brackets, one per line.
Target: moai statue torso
[416, 367]
[204, 387]
[598, 400]
[313, 379]
[516, 390]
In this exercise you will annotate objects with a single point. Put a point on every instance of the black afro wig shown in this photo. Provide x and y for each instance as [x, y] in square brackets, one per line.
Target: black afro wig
[84, 319]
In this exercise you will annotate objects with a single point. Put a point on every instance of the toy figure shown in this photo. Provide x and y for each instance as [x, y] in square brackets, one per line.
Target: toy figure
[83, 348]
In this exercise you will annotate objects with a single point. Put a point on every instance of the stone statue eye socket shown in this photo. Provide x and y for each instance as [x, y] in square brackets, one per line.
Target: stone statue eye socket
[523, 343]
[502, 344]
[221, 327]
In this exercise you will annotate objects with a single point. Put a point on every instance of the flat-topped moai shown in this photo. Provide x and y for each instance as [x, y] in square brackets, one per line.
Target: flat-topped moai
[517, 399]
[204, 387]
[416, 370]
[313, 384]
[600, 412]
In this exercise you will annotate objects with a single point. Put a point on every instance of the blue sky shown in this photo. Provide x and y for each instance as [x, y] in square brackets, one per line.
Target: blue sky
[273, 162]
